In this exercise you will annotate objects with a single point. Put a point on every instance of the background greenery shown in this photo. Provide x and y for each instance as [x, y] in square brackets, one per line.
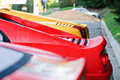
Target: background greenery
[29, 5]
[113, 25]
[93, 3]
[114, 5]
[52, 3]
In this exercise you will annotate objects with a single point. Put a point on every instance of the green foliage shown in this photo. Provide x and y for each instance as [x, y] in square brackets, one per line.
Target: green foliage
[109, 3]
[115, 6]
[65, 3]
[52, 3]
[67, 8]
[29, 5]
[93, 3]
[55, 5]
[113, 26]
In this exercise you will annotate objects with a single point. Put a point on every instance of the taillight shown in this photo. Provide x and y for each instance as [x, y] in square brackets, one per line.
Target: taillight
[104, 58]
[105, 61]
[82, 30]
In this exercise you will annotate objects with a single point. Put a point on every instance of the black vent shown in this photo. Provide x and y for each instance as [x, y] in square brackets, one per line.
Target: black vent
[73, 40]
[79, 41]
[85, 42]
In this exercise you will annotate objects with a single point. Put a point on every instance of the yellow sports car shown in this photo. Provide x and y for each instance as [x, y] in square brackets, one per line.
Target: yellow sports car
[80, 30]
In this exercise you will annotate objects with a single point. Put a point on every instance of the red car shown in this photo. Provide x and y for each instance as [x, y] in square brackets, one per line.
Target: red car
[99, 67]
[26, 63]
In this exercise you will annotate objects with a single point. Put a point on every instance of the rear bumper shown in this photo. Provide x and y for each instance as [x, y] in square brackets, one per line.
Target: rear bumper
[101, 76]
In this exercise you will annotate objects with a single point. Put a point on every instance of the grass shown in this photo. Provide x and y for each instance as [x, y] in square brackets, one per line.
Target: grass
[66, 8]
[113, 26]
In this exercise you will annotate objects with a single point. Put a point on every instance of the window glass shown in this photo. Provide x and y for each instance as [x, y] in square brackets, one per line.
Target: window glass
[9, 59]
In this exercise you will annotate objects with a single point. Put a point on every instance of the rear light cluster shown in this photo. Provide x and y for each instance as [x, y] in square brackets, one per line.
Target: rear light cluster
[82, 30]
[78, 41]
[104, 58]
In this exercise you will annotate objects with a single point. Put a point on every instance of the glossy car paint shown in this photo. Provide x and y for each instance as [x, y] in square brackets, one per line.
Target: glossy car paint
[94, 47]
[35, 38]
[96, 69]
[18, 33]
[47, 58]
[95, 66]
[46, 24]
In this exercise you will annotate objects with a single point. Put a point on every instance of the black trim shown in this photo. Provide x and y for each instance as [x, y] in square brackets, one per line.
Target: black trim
[85, 42]
[79, 41]
[73, 40]
[5, 38]
[17, 65]
[11, 21]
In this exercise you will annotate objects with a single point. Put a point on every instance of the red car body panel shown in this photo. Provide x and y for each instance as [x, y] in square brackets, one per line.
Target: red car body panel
[92, 51]
[25, 34]
[47, 57]
[101, 76]
[74, 52]
[51, 31]
[95, 66]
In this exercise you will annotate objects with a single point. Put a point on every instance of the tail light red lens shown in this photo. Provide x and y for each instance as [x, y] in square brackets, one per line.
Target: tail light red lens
[104, 59]
[82, 30]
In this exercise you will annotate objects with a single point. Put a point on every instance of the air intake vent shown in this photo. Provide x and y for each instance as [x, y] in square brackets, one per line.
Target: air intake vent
[85, 43]
[78, 41]
[61, 24]
[73, 40]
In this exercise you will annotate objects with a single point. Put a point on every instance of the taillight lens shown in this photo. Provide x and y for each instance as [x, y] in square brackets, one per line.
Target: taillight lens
[82, 30]
[104, 58]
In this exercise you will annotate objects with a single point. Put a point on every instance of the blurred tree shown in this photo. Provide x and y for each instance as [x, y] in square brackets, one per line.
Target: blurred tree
[77, 2]
[73, 1]
[92, 3]
[29, 5]
[53, 3]
[115, 6]
[65, 3]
